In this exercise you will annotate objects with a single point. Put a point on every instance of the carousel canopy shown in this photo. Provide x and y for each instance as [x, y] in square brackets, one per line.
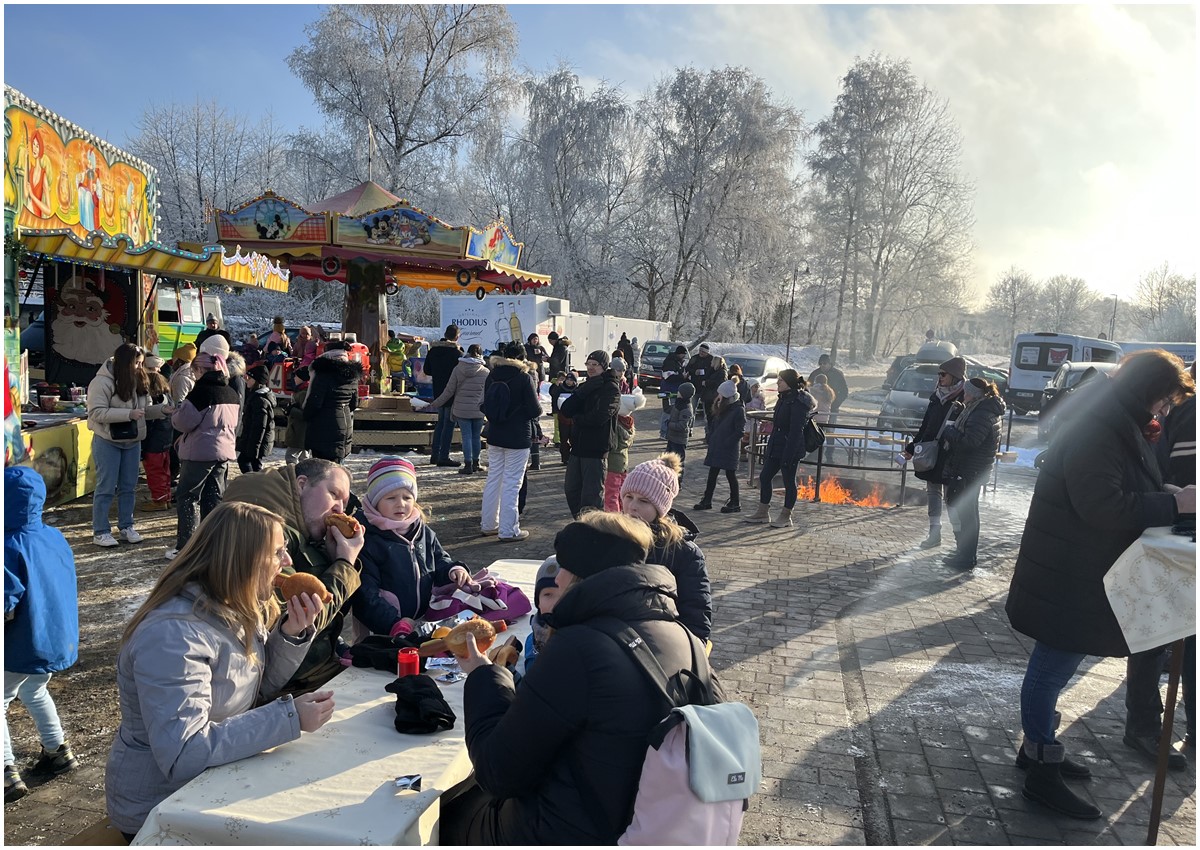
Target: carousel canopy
[363, 198]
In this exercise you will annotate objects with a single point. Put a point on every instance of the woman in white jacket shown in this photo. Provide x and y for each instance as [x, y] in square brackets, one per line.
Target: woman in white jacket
[205, 648]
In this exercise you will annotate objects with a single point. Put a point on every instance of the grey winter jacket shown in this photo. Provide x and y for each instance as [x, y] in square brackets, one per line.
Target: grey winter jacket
[680, 422]
[208, 420]
[187, 694]
[182, 381]
[106, 407]
[465, 389]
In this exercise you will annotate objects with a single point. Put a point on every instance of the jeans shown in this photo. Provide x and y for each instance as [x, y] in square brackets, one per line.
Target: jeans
[443, 435]
[731, 477]
[962, 498]
[116, 472]
[471, 441]
[1143, 700]
[772, 465]
[1048, 672]
[506, 470]
[201, 485]
[584, 483]
[31, 689]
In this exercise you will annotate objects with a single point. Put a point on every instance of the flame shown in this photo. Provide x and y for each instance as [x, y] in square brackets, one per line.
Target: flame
[833, 492]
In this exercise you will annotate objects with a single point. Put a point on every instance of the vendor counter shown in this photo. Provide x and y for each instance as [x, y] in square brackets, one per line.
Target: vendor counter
[62, 454]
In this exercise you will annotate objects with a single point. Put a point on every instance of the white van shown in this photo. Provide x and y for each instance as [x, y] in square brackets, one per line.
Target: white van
[1037, 356]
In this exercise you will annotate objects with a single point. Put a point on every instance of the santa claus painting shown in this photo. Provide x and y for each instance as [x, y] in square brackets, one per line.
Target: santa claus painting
[87, 323]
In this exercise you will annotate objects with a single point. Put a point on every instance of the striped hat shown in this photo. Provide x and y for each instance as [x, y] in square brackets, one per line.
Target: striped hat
[390, 474]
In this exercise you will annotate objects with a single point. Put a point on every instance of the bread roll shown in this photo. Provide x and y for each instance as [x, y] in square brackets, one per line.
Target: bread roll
[298, 583]
[484, 633]
[347, 525]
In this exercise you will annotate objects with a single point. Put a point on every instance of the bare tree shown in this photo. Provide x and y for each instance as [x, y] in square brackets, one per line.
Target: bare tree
[1065, 303]
[1014, 297]
[1165, 305]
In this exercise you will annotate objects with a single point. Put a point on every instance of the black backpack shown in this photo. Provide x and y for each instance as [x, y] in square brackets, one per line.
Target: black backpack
[496, 402]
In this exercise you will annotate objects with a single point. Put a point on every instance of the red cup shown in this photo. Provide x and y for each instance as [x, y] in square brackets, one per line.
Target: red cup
[408, 663]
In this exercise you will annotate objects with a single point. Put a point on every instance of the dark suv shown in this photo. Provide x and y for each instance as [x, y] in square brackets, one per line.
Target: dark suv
[653, 354]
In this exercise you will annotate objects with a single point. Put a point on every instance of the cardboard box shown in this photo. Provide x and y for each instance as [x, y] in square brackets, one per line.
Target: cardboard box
[396, 403]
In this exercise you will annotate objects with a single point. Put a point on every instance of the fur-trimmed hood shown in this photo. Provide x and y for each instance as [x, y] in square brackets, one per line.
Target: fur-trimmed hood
[339, 370]
[236, 364]
[524, 365]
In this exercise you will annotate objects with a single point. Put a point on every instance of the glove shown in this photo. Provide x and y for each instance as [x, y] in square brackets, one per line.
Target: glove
[420, 707]
[379, 651]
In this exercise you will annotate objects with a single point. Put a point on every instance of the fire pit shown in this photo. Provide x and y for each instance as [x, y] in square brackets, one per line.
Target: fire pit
[856, 491]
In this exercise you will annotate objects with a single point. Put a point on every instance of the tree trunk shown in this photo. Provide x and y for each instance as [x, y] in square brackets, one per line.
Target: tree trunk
[854, 317]
[365, 313]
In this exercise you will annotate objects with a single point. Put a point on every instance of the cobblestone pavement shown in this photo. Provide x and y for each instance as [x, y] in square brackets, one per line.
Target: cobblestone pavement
[886, 686]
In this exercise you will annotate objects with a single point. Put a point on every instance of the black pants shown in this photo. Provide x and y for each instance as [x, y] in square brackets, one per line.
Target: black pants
[249, 463]
[730, 476]
[201, 486]
[1143, 701]
[335, 455]
[771, 466]
[584, 483]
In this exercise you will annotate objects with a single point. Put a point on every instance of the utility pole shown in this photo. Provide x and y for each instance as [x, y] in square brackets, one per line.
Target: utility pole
[1112, 325]
[792, 311]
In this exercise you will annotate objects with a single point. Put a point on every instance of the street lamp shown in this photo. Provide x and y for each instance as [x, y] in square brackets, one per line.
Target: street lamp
[792, 311]
[1112, 324]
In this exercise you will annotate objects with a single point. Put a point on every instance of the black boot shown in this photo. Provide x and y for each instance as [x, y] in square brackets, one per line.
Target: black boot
[731, 507]
[1044, 783]
[1070, 769]
[705, 504]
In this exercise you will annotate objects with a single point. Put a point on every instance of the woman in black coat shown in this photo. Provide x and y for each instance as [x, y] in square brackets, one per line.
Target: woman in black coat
[724, 447]
[1098, 490]
[785, 447]
[329, 407]
[558, 760]
[970, 443]
[943, 407]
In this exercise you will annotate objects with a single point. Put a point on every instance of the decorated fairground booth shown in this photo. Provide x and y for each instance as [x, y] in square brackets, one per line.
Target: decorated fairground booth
[80, 219]
[372, 242]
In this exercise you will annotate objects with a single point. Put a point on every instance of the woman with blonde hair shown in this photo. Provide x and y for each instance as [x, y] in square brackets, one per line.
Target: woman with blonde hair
[205, 648]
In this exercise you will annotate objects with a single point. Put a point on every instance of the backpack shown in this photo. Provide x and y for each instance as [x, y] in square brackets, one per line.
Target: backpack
[496, 402]
[703, 760]
[814, 436]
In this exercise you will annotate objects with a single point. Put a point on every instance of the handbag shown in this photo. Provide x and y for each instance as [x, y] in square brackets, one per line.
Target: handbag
[814, 436]
[123, 430]
[925, 453]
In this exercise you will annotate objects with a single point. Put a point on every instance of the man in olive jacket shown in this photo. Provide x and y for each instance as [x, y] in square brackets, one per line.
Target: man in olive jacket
[302, 496]
[592, 409]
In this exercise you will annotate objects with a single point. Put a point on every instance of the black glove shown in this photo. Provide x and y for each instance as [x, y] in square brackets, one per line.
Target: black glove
[379, 651]
[420, 707]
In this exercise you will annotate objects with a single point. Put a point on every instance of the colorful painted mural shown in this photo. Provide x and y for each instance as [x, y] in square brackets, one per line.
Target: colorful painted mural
[271, 218]
[400, 226]
[495, 243]
[60, 176]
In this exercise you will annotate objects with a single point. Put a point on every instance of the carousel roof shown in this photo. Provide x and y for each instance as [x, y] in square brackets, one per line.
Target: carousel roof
[363, 198]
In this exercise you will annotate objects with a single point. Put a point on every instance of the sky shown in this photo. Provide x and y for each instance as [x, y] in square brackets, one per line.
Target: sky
[1078, 122]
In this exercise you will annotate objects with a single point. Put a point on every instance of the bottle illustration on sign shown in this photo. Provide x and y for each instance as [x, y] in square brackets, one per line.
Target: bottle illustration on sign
[514, 324]
[503, 329]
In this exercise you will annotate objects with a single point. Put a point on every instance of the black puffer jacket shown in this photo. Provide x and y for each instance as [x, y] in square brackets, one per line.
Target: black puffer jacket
[592, 409]
[792, 410]
[257, 437]
[512, 432]
[1177, 447]
[686, 563]
[725, 436]
[935, 415]
[440, 361]
[973, 441]
[1095, 494]
[560, 359]
[328, 409]
[566, 750]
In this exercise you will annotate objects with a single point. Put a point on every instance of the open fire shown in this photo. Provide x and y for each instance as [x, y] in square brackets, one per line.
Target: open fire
[834, 492]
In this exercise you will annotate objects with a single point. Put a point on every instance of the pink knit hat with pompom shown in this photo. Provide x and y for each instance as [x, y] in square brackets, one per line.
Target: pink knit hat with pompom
[657, 480]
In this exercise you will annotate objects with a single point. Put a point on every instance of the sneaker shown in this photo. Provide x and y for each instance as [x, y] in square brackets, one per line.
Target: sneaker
[131, 536]
[106, 540]
[492, 533]
[14, 787]
[171, 553]
[58, 762]
[520, 535]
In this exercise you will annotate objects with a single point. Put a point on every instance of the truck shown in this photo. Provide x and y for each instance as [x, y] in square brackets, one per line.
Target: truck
[497, 320]
[1037, 356]
[1185, 351]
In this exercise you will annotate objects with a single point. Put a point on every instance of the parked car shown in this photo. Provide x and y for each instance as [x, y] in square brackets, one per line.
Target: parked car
[904, 406]
[933, 351]
[650, 367]
[1060, 387]
[758, 369]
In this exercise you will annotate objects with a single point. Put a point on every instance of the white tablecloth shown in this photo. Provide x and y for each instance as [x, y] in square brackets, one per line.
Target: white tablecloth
[1152, 589]
[337, 785]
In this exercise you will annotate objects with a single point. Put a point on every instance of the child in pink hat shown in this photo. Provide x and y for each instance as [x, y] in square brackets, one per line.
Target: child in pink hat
[647, 494]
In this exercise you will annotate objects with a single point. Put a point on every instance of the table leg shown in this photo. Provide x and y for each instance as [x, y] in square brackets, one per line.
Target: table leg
[1164, 742]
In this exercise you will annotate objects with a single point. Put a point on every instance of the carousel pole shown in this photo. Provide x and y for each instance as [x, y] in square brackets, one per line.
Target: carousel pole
[365, 313]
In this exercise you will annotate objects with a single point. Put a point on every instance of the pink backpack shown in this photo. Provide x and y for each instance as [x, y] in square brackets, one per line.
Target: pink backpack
[703, 761]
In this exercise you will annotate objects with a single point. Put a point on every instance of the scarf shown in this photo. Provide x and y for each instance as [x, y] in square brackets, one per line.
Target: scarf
[944, 393]
[401, 527]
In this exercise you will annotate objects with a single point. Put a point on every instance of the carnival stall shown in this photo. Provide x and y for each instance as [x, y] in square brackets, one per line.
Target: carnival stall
[80, 217]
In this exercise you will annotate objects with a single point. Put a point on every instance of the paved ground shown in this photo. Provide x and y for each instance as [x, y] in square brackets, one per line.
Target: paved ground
[886, 686]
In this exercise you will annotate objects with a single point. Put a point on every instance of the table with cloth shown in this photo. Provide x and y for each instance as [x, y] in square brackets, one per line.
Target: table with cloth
[335, 785]
[1152, 591]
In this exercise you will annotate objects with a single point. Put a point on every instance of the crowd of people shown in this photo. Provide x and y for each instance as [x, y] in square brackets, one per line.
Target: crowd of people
[217, 665]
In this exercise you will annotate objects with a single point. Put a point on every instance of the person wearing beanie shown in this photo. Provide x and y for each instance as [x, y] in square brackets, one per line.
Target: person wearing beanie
[330, 404]
[511, 406]
[207, 422]
[212, 327]
[153, 363]
[837, 383]
[700, 372]
[592, 409]
[970, 443]
[256, 439]
[680, 420]
[648, 494]
[440, 362]
[724, 447]
[619, 367]
[618, 455]
[402, 558]
[785, 447]
[545, 595]
[944, 405]
[583, 694]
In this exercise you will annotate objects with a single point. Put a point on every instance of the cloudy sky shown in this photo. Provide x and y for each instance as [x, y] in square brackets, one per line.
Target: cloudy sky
[1078, 122]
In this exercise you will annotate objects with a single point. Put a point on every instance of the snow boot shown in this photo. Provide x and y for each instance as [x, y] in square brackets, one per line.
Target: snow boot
[1044, 783]
[784, 520]
[1070, 769]
[933, 540]
[761, 515]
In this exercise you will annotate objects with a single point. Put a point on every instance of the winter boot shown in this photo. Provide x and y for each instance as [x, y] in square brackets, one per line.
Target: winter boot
[731, 507]
[761, 515]
[704, 504]
[468, 467]
[14, 787]
[58, 762]
[1070, 769]
[1044, 783]
[784, 520]
[933, 540]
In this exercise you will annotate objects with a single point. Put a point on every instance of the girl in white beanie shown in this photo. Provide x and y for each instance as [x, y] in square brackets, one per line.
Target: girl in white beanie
[647, 494]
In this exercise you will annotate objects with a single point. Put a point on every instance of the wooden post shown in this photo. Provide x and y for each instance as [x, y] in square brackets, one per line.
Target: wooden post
[1164, 741]
[365, 313]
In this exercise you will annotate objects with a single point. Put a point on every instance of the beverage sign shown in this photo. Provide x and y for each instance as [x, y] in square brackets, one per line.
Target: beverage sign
[493, 322]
